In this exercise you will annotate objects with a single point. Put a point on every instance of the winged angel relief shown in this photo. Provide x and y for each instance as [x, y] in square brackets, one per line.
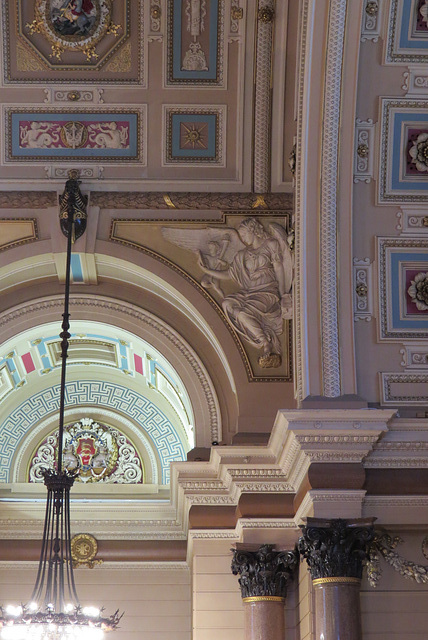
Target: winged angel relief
[260, 264]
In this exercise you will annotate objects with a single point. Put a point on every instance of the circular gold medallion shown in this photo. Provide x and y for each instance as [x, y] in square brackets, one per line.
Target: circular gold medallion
[84, 548]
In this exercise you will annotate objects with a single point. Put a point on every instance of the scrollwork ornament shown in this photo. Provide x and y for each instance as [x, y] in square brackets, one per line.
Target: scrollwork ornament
[335, 548]
[264, 572]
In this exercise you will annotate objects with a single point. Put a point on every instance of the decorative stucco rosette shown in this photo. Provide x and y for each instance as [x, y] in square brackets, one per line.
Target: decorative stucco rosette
[97, 453]
[418, 291]
[419, 152]
[76, 25]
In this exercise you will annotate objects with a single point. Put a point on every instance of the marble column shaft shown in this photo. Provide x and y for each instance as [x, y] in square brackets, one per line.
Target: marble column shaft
[264, 575]
[334, 551]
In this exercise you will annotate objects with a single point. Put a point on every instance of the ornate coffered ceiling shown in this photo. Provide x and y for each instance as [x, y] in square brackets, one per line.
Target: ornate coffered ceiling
[154, 94]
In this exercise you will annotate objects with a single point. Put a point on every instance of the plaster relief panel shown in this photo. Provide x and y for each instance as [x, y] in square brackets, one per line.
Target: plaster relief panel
[40, 135]
[403, 288]
[363, 305]
[195, 42]
[364, 150]
[412, 221]
[195, 135]
[407, 32]
[404, 147]
[404, 388]
[415, 356]
[244, 266]
[372, 20]
[54, 41]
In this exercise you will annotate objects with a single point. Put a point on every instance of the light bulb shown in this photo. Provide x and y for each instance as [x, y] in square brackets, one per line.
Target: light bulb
[11, 610]
[92, 612]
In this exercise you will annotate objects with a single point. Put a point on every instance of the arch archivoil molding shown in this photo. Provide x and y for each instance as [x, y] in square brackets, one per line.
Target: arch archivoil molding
[151, 329]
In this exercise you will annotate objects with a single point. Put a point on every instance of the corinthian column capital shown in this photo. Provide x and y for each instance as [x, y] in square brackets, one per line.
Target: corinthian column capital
[335, 548]
[264, 573]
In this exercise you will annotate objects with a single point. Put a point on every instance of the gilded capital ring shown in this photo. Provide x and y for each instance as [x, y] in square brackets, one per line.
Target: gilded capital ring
[336, 580]
[263, 599]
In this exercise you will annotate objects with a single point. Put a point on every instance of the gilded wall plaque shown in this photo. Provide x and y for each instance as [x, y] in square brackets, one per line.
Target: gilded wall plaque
[84, 548]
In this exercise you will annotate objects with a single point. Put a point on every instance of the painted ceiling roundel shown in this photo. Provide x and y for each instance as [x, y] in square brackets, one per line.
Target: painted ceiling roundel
[72, 24]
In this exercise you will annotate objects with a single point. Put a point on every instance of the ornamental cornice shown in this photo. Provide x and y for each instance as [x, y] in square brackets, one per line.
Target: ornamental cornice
[396, 462]
[335, 498]
[210, 499]
[13, 565]
[401, 446]
[266, 523]
[256, 473]
[378, 502]
[212, 535]
[110, 529]
[335, 439]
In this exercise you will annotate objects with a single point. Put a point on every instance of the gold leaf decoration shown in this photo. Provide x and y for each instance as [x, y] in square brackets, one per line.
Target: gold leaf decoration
[26, 61]
[122, 61]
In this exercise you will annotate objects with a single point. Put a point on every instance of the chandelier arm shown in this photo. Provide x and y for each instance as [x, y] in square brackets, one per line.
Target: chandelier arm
[49, 577]
[69, 560]
[37, 591]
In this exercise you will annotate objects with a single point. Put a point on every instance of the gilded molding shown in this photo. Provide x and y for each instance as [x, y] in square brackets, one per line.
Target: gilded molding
[188, 200]
[319, 581]
[263, 599]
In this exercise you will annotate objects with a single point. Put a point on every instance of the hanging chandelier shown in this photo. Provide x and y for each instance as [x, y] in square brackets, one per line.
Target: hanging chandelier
[54, 611]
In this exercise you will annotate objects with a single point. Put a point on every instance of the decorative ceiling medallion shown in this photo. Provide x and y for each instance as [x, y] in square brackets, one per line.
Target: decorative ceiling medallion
[76, 25]
[95, 452]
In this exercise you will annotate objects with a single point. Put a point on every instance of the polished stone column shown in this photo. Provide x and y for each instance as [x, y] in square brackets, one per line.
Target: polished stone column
[264, 575]
[334, 551]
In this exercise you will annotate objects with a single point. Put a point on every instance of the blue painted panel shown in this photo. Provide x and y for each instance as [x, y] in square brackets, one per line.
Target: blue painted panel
[209, 119]
[409, 39]
[177, 53]
[76, 268]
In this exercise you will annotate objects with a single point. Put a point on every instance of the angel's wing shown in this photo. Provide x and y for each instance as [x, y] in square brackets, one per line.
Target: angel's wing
[198, 239]
[278, 232]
